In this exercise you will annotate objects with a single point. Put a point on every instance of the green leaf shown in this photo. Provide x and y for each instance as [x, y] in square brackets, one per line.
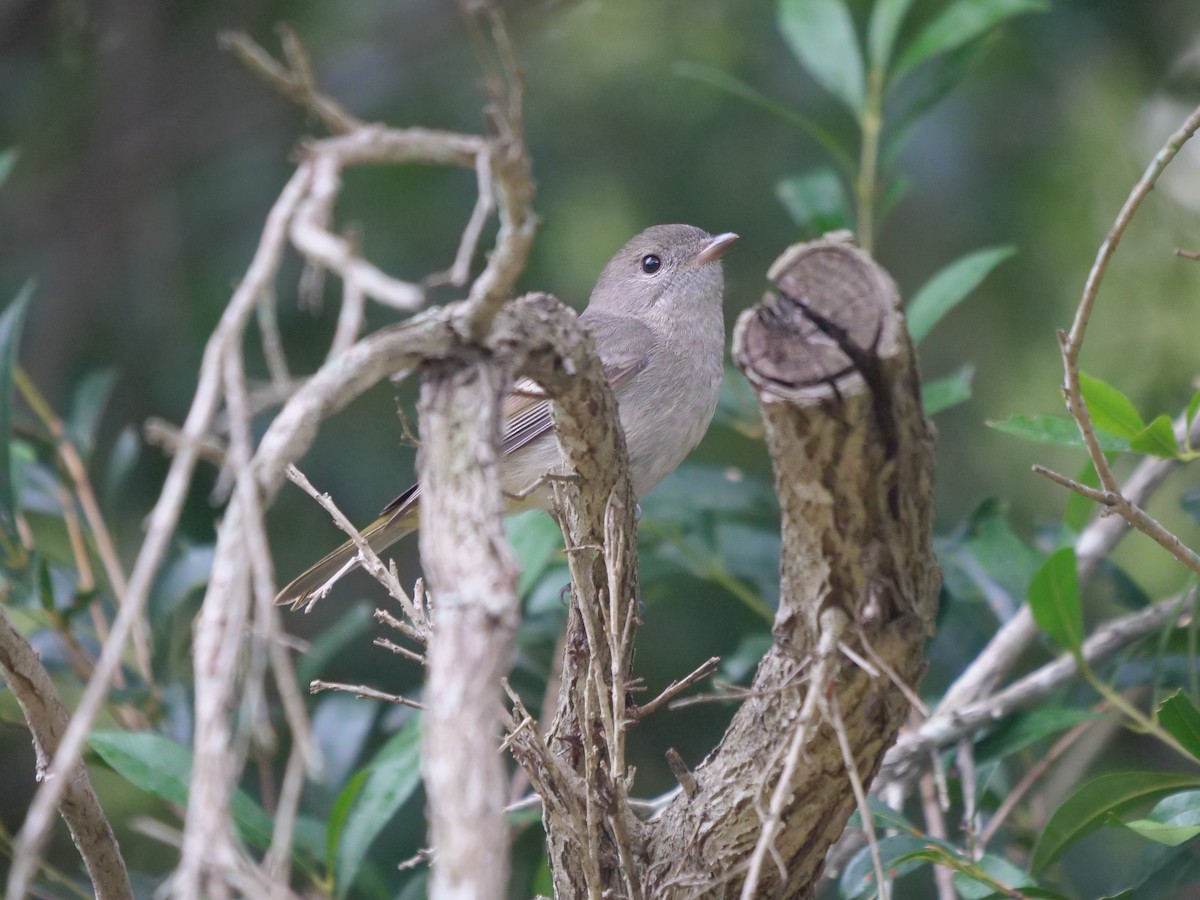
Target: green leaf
[394, 776]
[536, 542]
[949, 287]
[951, 390]
[1025, 729]
[821, 35]
[1054, 599]
[886, 18]
[858, 878]
[1179, 716]
[161, 767]
[1156, 439]
[1056, 430]
[341, 810]
[1111, 410]
[735, 87]
[816, 201]
[979, 880]
[1168, 835]
[1089, 805]
[11, 322]
[959, 24]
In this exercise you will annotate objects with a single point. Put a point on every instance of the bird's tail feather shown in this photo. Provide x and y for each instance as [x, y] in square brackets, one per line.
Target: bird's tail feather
[318, 579]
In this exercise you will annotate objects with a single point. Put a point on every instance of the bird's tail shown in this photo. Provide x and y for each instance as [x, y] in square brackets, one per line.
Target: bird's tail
[317, 580]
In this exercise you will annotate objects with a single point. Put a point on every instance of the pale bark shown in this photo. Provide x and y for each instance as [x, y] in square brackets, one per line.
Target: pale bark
[473, 582]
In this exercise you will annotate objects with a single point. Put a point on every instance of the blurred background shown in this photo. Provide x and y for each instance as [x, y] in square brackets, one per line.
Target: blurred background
[148, 159]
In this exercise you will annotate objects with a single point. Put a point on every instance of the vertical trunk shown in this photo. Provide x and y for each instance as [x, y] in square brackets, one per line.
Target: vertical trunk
[472, 579]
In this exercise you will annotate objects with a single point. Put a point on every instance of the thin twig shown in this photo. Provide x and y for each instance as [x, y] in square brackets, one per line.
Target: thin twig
[1072, 341]
[675, 688]
[295, 83]
[833, 712]
[1030, 778]
[159, 532]
[1131, 513]
[362, 692]
[419, 629]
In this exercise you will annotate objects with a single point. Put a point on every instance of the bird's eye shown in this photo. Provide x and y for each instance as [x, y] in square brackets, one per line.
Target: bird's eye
[651, 263]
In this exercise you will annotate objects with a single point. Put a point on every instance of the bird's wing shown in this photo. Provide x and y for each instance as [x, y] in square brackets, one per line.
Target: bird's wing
[627, 345]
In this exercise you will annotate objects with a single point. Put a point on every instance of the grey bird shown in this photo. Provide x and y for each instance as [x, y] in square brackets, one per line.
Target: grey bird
[655, 316]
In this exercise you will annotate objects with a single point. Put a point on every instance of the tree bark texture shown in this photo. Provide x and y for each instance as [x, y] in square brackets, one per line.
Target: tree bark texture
[473, 581]
[832, 364]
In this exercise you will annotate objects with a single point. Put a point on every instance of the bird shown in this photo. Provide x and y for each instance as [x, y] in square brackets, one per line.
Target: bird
[656, 318]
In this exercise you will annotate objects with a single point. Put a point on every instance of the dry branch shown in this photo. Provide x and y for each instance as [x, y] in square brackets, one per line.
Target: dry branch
[47, 719]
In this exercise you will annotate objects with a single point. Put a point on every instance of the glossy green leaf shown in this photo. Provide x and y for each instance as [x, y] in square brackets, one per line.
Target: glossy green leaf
[1087, 807]
[1162, 870]
[394, 776]
[959, 24]
[990, 876]
[821, 35]
[1179, 716]
[816, 201]
[735, 87]
[8, 159]
[1111, 410]
[981, 879]
[1156, 439]
[1054, 599]
[11, 322]
[940, 394]
[949, 287]
[1056, 430]
[1167, 835]
[161, 767]
[886, 18]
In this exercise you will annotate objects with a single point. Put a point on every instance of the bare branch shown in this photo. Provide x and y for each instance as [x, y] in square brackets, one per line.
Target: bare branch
[47, 719]
[675, 688]
[363, 693]
[295, 81]
[944, 728]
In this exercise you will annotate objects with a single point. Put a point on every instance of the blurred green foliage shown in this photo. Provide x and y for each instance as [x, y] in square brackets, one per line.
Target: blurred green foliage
[144, 161]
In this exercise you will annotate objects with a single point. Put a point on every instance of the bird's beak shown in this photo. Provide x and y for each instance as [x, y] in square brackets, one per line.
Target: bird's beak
[715, 248]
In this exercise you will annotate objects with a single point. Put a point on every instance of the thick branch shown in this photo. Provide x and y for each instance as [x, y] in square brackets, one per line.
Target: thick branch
[834, 370]
[473, 578]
